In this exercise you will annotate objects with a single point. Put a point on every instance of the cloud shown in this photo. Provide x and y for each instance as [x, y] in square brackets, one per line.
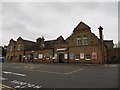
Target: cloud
[31, 20]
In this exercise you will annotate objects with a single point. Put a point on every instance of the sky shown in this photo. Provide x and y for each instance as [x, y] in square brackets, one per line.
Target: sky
[31, 20]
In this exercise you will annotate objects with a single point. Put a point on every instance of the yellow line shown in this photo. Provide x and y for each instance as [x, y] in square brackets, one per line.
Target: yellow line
[6, 87]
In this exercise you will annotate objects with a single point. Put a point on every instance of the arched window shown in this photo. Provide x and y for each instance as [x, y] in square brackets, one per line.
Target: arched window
[78, 41]
[85, 40]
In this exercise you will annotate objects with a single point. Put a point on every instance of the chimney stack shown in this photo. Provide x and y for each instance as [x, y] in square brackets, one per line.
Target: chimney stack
[40, 41]
[100, 32]
[102, 46]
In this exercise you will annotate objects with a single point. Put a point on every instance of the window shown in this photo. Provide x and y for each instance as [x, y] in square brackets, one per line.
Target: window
[29, 56]
[47, 55]
[26, 57]
[40, 56]
[77, 57]
[71, 56]
[87, 56]
[35, 56]
[85, 40]
[19, 46]
[11, 48]
[78, 41]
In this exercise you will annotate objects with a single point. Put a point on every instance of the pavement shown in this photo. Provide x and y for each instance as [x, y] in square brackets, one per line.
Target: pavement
[59, 75]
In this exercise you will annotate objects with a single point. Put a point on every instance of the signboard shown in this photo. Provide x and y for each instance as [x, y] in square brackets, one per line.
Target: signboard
[81, 55]
[94, 55]
[66, 56]
[61, 49]
[55, 56]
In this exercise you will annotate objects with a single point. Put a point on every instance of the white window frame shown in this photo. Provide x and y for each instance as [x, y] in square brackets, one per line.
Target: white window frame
[19, 47]
[35, 55]
[71, 56]
[85, 40]
[87, 58]
[78, 41]
[76, 57]
[40, 56]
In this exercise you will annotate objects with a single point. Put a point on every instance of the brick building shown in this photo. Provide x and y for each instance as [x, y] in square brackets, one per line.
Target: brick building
[81, 46]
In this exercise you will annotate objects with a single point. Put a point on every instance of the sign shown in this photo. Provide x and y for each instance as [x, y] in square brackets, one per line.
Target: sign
[55, 56]
[66, 56]
[61, 49]
[94, 55]
[81, 55]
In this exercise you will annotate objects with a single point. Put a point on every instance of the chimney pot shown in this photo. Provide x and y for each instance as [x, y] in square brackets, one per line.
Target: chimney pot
[100, 32]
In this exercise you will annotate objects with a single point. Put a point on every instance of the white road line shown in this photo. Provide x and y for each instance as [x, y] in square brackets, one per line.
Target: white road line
[23, 75]
[74, 71]
[65, 73]
[1, 78]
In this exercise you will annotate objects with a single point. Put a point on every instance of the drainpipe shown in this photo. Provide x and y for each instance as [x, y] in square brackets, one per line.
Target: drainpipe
[14, 53]
[68, 55]
[53, 55]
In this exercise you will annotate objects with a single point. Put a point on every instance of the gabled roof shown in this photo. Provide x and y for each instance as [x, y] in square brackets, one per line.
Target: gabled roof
[81, 26]
[60, 38]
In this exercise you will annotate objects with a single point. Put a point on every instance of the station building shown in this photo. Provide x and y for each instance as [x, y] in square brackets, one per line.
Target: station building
[82, 46]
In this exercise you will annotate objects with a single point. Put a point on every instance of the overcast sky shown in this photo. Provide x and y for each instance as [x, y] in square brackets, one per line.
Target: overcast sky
[31, 20]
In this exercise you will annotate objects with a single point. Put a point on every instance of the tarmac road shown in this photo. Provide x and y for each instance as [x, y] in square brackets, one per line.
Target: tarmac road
[57, 75]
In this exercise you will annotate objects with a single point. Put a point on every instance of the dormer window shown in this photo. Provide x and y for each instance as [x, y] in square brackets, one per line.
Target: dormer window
[78, 41]
[85, 40]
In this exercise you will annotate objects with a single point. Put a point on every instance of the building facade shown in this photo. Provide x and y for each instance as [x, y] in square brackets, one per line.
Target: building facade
[81, 46]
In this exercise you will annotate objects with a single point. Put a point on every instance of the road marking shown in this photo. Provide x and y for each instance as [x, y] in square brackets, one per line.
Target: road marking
[20, 84]
[23, 75]
[1, 78]
[4, 87]
[74, 71]
[110, 65]
[50, 71]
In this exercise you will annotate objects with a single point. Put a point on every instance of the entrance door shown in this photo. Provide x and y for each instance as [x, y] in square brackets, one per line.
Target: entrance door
[20, 58]
[11, 58]
[31, 57]
[61, 57]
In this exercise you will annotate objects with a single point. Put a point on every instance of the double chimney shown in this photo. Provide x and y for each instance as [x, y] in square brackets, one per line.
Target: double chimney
[40, 41]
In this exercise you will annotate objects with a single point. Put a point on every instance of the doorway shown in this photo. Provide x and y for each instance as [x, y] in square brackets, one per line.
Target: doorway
[11, 58]
[61, 57]
[20, 58]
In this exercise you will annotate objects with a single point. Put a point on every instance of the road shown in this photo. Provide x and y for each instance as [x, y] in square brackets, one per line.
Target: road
[57, 75]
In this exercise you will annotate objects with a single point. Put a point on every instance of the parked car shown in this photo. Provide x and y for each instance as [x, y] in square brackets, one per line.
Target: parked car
[2, 59]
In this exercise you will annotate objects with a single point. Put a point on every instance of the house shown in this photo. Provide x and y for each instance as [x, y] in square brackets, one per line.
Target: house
[81, 46]
[85, 46]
